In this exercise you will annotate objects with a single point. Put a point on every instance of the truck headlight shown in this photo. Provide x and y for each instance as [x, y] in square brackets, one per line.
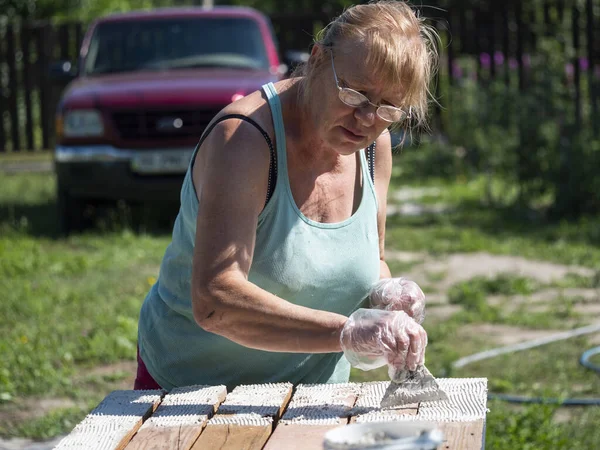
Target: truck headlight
[82, 123]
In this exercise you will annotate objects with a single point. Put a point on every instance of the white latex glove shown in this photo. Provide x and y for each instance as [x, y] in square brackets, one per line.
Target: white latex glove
[399, 294]
[371, 338]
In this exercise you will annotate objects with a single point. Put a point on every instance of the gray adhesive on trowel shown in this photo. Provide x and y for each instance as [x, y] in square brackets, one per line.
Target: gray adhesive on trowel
[412, 387]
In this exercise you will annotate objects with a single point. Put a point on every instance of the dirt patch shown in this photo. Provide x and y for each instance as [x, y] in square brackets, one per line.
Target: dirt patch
[111, 369]
[582, 295]
[28, 444]
[464, 266]
[442, 311]
[22, 410]
[124, 371]
[499, 335]
[594, 339]
[26, 409]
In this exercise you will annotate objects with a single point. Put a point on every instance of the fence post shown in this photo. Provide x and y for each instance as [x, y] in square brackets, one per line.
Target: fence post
[13, 88]
[3, 58]
[576, 68]
[27, 83]
[592, 85]
[45, 55]
[506, 45]
[519, 20]
[64, 42]
[492, 41]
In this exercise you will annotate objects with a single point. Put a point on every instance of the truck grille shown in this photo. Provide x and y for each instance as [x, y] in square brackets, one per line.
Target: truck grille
[162, 125]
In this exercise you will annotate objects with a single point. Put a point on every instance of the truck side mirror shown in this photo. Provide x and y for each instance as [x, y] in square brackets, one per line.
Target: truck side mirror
[62, 71]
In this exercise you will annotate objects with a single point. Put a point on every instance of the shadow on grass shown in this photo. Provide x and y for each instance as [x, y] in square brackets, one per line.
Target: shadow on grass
[42, 220]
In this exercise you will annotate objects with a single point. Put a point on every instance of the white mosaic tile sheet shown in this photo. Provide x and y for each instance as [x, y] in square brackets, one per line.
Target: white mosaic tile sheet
[111, 421]
[190, 405]
[252, 405]
[321, 404]
[467, 401]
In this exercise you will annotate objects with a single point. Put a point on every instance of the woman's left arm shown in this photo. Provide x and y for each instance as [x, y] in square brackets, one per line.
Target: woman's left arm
[383, 174]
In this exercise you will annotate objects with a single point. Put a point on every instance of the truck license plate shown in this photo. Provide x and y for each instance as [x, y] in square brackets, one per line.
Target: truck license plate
[162, 161]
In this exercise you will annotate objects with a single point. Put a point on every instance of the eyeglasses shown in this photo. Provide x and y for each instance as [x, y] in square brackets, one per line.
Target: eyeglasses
[355, 99]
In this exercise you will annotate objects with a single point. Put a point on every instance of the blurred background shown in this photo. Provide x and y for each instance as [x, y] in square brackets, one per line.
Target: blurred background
[494, 211]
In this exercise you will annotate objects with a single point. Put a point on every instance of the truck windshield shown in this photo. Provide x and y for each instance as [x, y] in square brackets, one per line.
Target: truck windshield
[181, 43]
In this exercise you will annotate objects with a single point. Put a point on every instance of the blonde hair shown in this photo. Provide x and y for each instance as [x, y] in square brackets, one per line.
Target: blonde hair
[402, 50]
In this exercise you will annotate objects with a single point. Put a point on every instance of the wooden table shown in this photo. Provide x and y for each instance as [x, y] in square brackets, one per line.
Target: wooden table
[269, 416]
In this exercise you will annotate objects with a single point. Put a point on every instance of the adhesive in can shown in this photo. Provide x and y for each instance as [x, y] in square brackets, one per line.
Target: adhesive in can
[396, 435]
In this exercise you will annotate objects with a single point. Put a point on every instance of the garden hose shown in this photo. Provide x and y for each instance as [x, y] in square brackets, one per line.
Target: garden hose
[583, 360]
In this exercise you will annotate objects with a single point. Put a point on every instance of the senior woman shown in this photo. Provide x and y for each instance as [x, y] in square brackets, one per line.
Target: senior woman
[280, 235]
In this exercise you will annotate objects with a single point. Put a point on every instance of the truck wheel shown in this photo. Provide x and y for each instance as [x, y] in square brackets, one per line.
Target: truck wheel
[71, 212]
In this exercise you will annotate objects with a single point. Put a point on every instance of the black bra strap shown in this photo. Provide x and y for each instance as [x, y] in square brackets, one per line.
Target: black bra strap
[273, 163]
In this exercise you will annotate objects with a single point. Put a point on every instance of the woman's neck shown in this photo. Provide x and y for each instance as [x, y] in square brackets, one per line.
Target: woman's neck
[305, 146]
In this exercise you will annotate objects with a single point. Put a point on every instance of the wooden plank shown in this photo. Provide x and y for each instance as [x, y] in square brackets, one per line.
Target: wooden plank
[314, 409]
[462, 435]
[179, 419]
[234, 436]
[113, 422]
[298, 437]
[245, 420]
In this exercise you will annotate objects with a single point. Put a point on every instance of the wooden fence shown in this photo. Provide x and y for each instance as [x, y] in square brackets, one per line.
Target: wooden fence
[499, 37]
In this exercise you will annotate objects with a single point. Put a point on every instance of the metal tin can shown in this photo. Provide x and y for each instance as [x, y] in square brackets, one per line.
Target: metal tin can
[395, 435]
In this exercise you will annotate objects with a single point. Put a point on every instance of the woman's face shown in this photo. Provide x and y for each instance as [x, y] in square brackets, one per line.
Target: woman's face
[345, 128]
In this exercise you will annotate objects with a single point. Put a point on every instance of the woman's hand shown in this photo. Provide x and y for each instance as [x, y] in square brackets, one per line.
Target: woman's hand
[399, 294]
[371, 338]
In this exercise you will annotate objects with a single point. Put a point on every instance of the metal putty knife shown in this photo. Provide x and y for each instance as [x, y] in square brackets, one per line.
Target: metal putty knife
[412, 387]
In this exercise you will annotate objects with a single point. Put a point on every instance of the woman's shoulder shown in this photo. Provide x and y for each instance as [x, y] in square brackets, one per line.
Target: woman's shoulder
[236, 144]
[254, 107]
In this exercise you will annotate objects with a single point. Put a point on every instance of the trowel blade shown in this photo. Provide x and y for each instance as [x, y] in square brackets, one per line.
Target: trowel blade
[412, 387]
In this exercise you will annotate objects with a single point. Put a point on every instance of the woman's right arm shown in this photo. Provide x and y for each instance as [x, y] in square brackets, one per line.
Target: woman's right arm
[230, 175]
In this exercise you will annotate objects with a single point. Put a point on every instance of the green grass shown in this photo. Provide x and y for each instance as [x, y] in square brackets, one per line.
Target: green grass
[68, 304]
[474, 228]
[24, 156]
[71, 305]
[535, 427]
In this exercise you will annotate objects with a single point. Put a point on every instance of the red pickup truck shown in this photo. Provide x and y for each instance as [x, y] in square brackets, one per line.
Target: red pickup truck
[146, 86]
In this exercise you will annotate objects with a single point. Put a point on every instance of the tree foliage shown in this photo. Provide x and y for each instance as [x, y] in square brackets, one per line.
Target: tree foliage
[89, 9]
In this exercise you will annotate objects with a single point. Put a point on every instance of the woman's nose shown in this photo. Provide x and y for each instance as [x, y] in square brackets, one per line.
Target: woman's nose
[366, 115]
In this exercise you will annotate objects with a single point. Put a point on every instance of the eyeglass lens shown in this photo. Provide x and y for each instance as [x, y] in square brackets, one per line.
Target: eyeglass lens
[357, 100]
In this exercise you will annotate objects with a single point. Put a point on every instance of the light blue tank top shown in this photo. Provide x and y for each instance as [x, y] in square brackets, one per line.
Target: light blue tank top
[325, 266]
